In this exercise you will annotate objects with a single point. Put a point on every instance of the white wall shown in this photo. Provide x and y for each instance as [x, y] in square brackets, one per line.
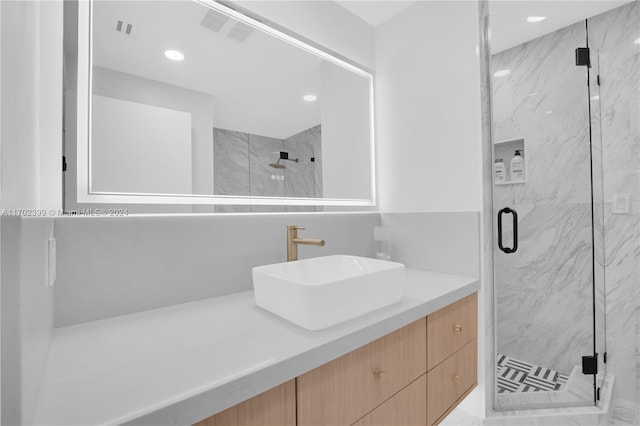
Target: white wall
[323, 22]
[27, 315]
[428, 109]
[31, 178]
[32, 105]
[19, 105]
[442, 242]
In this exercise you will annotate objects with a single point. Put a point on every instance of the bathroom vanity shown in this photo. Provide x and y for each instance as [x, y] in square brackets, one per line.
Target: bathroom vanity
[230, 362]
[413, 376]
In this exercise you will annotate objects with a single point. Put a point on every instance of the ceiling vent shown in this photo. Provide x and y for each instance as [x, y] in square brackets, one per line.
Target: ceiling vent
[214, 20]
[240, 31]
[226, 26]
[123, 27]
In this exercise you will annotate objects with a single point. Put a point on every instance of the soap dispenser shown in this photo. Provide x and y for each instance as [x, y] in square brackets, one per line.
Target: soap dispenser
[517, 167]
[499, 171]
[382, 237]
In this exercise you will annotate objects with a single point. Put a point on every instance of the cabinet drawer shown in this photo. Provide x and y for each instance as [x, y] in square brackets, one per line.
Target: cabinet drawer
[335, 393]
[397, 359]
[451, 328]
[450, 381]
[344, 390]
[406, 408]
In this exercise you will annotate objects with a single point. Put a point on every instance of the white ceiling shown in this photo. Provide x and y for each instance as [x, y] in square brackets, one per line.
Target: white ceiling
[375, 12]
[262, 80]
[509, 26]
[256, 85]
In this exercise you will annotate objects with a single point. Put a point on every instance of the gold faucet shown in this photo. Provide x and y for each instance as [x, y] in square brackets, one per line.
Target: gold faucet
[293, 241]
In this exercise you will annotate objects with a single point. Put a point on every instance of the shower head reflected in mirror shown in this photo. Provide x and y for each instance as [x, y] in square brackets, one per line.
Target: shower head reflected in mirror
[277, 165]
[283, 156]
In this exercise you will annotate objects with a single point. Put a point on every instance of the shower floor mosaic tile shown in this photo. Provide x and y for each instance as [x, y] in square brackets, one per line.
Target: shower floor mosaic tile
[520, 376]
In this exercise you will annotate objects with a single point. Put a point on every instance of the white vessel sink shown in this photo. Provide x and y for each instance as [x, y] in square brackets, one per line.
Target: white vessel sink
[324, 291]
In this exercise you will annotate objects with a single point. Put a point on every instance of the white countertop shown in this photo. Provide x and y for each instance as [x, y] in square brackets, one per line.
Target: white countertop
[181, 364]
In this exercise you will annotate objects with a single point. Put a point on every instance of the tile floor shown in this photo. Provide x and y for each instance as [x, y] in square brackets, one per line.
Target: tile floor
[519, 376]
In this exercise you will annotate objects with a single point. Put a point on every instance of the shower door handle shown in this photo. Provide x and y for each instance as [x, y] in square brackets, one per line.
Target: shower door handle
[515, 230]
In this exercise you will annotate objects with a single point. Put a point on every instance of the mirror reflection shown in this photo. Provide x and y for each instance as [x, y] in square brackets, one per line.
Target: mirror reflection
[188, 100]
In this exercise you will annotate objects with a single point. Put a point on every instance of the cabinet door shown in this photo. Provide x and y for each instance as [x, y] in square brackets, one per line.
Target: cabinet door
[276, 406]
[406, 408]
[450, 381]
[451, 328]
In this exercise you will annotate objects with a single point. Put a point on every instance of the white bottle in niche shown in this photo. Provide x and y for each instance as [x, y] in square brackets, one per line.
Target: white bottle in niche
[517, 168]
[499, 171]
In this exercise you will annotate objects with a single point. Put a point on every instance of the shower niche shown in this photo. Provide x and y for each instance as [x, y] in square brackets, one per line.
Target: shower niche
[504, 153]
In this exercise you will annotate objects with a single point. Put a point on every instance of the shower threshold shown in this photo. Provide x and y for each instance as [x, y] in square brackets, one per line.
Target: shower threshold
[523, 385]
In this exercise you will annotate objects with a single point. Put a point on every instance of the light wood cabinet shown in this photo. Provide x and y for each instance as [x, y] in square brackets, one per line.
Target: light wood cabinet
[451, 356]
[397, 359]
[413, 376]
[406, 408]
[276, 406]
[336, 393]
[450, 328]
[450, 382]
[342, 391]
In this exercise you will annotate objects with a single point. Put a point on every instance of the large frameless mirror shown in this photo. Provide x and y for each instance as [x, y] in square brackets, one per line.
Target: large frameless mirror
[192, 102]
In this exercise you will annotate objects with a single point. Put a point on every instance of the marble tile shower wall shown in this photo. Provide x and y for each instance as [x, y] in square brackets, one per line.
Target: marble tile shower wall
[241, 167]
[546, 284]
[304, 179]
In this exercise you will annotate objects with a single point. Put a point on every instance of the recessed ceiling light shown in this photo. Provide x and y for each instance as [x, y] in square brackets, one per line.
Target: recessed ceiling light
[309, 98]
[536, 18]
[637, 41]
[174, 55]
[501, 73]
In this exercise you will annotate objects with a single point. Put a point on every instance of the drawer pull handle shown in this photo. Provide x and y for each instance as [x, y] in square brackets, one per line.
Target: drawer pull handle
[378, 374]
[457, 328]
[456, 379]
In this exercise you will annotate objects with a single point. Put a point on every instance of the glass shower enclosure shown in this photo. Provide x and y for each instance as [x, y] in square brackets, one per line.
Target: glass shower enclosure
[549, 275]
